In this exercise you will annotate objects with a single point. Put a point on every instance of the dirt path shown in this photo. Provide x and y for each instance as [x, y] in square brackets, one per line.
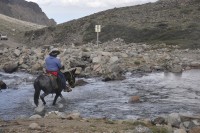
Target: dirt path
[9, 43]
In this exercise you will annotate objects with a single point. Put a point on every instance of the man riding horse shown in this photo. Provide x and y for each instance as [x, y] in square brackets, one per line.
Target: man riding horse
[53, 66]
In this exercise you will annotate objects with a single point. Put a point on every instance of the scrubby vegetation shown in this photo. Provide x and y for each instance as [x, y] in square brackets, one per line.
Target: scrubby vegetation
[170, 22]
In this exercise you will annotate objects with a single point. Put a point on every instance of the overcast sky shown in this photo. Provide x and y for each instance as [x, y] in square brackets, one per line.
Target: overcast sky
[65, 10]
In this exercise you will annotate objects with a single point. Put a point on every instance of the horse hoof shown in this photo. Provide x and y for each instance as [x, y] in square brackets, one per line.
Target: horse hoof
[67, 90]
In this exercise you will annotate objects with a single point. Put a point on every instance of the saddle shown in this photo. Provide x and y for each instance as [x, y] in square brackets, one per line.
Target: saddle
[55, 81]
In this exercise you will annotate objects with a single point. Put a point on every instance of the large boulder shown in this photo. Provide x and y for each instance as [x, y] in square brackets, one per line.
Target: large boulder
[81, 82]
[10, 68]
[114, 72]
[2, 85]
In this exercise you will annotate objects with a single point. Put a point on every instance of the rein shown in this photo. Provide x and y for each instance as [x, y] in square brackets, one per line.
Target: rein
[71, 77]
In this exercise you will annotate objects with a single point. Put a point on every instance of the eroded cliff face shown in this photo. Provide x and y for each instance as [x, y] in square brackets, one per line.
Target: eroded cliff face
[26, 11]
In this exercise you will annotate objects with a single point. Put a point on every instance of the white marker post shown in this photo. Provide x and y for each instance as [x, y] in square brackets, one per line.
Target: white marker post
[97, 30]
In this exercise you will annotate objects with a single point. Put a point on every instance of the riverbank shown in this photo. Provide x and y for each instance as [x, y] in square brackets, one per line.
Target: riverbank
[109, 60]
[57, 122]
[56, 125]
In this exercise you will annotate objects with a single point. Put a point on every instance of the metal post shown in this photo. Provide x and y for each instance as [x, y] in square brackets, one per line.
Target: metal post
[97, 30]
[97, 38]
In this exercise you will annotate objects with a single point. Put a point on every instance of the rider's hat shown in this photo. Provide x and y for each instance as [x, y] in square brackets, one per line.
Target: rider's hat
[54, 51]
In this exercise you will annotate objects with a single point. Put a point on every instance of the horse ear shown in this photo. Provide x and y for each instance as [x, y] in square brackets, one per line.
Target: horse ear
[74, 71]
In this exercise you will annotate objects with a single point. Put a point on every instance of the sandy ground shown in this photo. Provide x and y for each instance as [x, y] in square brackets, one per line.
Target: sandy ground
[56, 125]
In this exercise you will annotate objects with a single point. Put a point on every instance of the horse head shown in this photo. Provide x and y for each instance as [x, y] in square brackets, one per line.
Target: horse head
[2, 85]
[70, 77]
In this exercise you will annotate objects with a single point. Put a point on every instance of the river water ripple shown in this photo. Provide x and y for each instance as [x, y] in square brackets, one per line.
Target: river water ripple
[161, 93]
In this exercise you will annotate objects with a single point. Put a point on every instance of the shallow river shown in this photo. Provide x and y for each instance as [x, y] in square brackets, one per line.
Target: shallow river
[161, 93]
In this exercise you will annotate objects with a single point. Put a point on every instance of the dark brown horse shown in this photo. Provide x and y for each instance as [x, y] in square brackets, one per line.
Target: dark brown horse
[50, 85]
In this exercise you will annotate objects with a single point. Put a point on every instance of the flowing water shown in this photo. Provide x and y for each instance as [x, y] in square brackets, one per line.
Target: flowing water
[161, 93]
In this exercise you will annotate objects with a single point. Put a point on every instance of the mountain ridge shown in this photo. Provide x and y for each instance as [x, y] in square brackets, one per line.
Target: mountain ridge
[173, 22]
[26, 11]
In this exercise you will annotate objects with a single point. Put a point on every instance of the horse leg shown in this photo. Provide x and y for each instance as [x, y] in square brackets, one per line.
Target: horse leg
[36, 94]
[61, 96]
[56, 97]
[42, 97]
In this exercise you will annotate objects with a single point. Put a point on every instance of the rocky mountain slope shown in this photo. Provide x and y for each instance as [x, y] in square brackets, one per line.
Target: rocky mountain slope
[26, 11]
[14, 29]
[174, 22]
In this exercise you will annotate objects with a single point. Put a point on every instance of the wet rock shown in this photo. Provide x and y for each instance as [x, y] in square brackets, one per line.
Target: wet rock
[195, 64]
[2, 85]
[196, 122]
[36, 117]
[113, 76]
[10, 68]
[56, 114]
[51, 114]
[146, 68]
[60, 106]
[34, 126]
[189, 124]
[73, 116]
[176, 69]
[114, 72]
[81, 82]
[174, 120]
[157, 68]
[61, 115]
[24, 66]
[134, 99]
[185, 117]
[40, 110]
[159, 120]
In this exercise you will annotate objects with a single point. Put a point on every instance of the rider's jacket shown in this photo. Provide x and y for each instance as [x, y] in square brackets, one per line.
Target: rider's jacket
[52, 64]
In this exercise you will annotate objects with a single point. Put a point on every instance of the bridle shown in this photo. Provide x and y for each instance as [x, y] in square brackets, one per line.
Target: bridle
[71, 79]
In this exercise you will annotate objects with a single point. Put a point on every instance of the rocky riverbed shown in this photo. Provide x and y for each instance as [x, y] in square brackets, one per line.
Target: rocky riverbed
[110, 61]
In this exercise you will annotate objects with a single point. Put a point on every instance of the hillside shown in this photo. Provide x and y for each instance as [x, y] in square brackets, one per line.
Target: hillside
[26, 11]
[15, 29]
[174, 22]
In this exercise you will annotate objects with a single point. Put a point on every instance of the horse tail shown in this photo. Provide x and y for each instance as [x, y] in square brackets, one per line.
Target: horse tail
[37, 92]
